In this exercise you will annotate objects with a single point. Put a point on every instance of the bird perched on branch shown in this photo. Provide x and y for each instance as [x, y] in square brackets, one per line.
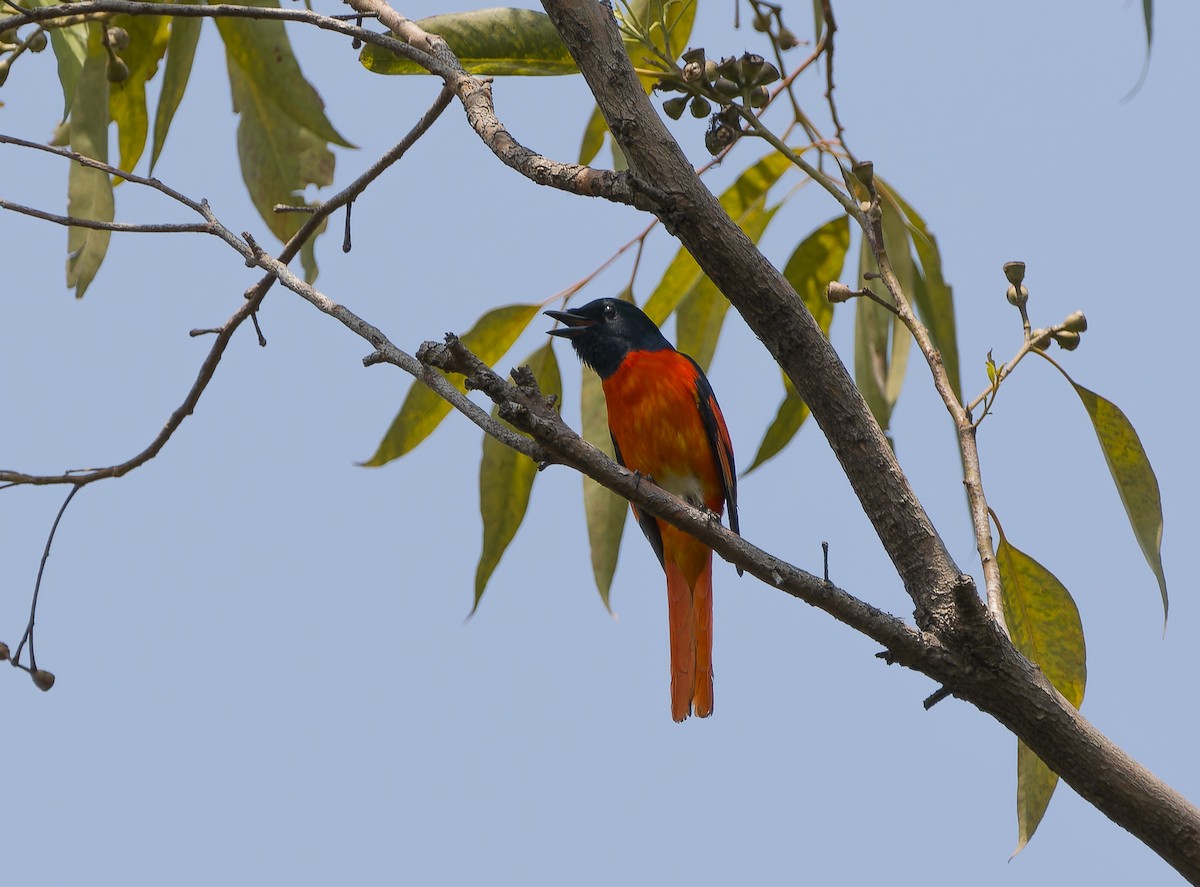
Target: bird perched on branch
[665, 425]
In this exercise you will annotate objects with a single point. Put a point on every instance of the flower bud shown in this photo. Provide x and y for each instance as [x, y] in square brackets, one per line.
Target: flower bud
[1075, 322]
[864, 171]
[118, 38]
[42, 679]
[727, 88]
[1067, 340]
[701, 107]
[4, 652]
[37, 41]
[759, 97]
[673, 108]
[1016, 296]
[838, 292]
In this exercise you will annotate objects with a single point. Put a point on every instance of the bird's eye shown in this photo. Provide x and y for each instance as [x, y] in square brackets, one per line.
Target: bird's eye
[609, 312]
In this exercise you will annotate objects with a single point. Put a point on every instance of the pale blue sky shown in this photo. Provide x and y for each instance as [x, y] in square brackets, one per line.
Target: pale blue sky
[264, 673]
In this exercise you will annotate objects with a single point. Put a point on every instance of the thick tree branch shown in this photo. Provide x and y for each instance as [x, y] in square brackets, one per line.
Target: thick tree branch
[995, 677]
[770, 307]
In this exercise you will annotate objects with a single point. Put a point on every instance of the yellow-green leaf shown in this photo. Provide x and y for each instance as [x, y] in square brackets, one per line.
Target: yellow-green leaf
[701, 314]
[279, 157]
[263, 54]
[650, 16]
[931, 295]
[738, 201]
[89, 191]
[487, 41]
[818, 259]
[1135, 480]
[593, 138]
[148, 36]
[1044, 625]
[605, 510]
[70, 47]
[181, 50]
[506, 479]
[881, 342]
[283, 131]
[491, 336]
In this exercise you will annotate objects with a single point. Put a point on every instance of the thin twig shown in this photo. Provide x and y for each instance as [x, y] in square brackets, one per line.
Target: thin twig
[248, 309]
[37, 585]
[75, 222]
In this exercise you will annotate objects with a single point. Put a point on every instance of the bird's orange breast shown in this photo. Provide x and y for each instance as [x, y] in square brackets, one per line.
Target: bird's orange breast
[654, 416]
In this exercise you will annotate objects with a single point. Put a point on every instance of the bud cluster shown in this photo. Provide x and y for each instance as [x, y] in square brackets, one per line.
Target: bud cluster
[12, 45]
[728, 83]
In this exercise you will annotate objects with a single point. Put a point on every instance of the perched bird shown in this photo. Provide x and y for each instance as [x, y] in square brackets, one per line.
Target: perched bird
[666, 425]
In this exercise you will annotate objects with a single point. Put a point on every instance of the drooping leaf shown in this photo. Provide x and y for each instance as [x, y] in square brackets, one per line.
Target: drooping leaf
[491, 336]
[881, 342]
[148, 36]
[70, 47]
[931, 296]
[1044, 625]
[701, 314]
[818, 259]
[181, 51]
[283, 133]
[1133, 475]
[279, 158]
[738, 200]
[593, 138]
[604, 509]
[263, 54]
[506, 479]
[89, 191]
[487, 41]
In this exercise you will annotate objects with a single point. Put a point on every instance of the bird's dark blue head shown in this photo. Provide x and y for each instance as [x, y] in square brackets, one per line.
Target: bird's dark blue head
[605, 330]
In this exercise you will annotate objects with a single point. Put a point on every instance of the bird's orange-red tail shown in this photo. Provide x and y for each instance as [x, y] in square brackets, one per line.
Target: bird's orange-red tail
[690, 614]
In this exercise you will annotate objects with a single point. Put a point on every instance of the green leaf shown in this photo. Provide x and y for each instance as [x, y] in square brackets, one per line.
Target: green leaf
[738, 200]
[931, 295]
[148, 36]
[650, 16]
[1044, 625]
[89, 191]
[818, 259]
[283, 131]
[701, 314]
[181, 50]
[70, 46]
[506, 479]
[593, 138]
[604, 509]
[881, 342]
[487, 41]
[262, 53]
[1135, 480]
[491, 336]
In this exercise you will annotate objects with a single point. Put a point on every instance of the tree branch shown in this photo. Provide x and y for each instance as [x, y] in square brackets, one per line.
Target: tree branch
[994, 677]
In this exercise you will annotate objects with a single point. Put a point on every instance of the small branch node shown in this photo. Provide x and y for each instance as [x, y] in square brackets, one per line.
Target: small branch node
[934, 698]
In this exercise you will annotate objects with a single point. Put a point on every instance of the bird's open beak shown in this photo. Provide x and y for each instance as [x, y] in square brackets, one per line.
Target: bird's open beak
[573, 324]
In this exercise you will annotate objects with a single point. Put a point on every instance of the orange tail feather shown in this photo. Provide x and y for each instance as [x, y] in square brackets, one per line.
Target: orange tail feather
[690, 613]
[683, 642]
[702, 615]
